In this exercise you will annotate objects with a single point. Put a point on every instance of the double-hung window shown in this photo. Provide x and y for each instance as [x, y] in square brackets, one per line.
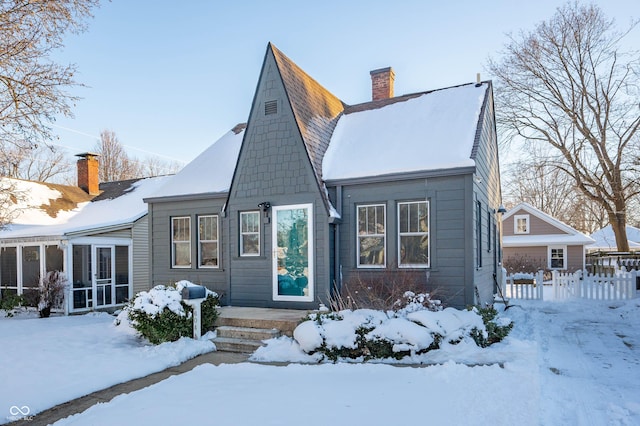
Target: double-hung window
[181, 242]
[208, 241]
[413, 234]
[521, 224]
[250, 233]
[371, 245]
[557, 257]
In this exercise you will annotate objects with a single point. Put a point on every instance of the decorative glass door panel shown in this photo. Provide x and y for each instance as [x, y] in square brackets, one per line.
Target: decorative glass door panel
[293, 252]
[104, 276]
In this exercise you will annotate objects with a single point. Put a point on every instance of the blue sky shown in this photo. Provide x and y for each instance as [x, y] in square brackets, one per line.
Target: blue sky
[170, 77]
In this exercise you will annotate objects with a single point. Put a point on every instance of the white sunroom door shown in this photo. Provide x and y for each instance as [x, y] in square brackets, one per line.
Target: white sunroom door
[104, 279]
[293, 252]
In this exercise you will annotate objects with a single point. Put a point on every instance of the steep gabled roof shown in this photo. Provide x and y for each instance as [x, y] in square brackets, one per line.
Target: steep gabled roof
[316, 110]
[567, 235]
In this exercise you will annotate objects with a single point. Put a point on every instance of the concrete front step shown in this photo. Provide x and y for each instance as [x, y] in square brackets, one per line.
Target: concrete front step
[231, 344]
[285, 320]
[247, 333]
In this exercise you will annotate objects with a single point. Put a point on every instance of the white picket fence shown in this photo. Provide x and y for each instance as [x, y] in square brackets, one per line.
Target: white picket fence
[618, 286]
[519, 287]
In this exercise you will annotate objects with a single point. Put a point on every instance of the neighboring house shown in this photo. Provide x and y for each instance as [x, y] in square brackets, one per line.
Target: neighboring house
[313, 193]
[97, 235]
[605, 240]
[529, 232]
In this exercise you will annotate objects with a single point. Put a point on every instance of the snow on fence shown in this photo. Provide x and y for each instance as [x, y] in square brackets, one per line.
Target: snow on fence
[524, 286]
[619, 286]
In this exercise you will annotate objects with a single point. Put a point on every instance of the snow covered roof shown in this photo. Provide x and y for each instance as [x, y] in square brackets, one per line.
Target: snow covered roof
[569, 235]
[209, 172]
[124, 205]
[431, 131]
[605, 240]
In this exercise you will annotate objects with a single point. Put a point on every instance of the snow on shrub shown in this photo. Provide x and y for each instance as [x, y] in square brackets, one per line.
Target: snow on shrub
[365, 334]
[160, 314]
[522, 276]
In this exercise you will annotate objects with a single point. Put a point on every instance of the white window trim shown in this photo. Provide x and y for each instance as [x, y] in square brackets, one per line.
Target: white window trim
[564, 258]
[200, 241]
[384, 237]
[310, 267]
[428, 234]
[173, 247]
[241, 233]
[527, 218]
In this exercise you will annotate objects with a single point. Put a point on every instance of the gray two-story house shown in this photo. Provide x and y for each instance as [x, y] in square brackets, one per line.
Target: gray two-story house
[311, 192]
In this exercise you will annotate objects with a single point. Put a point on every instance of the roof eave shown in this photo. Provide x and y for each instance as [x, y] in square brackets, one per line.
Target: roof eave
[186, 197]
[422, 174]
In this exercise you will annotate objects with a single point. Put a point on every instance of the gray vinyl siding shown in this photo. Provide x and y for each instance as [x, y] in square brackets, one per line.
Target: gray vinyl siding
[140, 255]
[160, 241]
[449, 226]
[487, 197]
[273, 166]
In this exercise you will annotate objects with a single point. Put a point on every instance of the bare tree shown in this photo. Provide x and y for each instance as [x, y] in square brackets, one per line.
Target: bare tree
[537, 181]
[569, 85]
[115, 164]
[9, 198]
[33, 88]
[42, 163]
[155, 166]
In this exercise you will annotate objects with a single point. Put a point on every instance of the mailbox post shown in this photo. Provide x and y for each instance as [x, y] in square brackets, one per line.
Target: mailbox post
[194, 296]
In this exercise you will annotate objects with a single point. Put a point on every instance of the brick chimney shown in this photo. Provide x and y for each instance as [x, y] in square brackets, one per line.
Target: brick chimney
[382, 83]
[88, 173]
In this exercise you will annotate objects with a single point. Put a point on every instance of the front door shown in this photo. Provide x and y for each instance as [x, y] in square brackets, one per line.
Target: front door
[104, 277]
[293, 252]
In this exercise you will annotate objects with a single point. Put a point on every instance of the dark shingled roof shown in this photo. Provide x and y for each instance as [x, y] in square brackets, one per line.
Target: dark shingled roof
[111, 190]
[316, 110]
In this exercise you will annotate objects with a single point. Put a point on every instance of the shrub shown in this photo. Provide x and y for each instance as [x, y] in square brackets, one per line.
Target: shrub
[383, 291]
[51, 291]
[9, 302]
[367, 334]
[160, 315]
[496, 328]
[523, 263]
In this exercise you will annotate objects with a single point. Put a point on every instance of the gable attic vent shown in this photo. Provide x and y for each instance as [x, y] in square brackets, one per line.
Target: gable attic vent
[270, 107]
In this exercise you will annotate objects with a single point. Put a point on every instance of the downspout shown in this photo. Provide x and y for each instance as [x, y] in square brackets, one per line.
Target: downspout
[337, 270]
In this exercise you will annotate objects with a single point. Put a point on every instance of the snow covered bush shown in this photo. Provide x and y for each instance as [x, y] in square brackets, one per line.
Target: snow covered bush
[160, 314]
[497, 328]
[366, 334]
[51, 291]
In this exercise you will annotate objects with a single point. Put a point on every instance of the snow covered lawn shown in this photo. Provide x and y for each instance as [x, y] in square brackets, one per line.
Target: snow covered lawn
[574, 362]
[46, 362]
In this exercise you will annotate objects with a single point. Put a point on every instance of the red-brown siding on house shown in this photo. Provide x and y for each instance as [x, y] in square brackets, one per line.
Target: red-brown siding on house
[575, 256]
[538, 256]
[537, 226]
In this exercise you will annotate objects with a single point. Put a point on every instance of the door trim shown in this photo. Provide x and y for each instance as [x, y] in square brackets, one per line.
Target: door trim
[309, 297]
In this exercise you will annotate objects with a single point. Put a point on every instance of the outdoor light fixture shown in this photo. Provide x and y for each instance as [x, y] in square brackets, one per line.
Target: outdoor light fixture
[501, 209]
[265, 206]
